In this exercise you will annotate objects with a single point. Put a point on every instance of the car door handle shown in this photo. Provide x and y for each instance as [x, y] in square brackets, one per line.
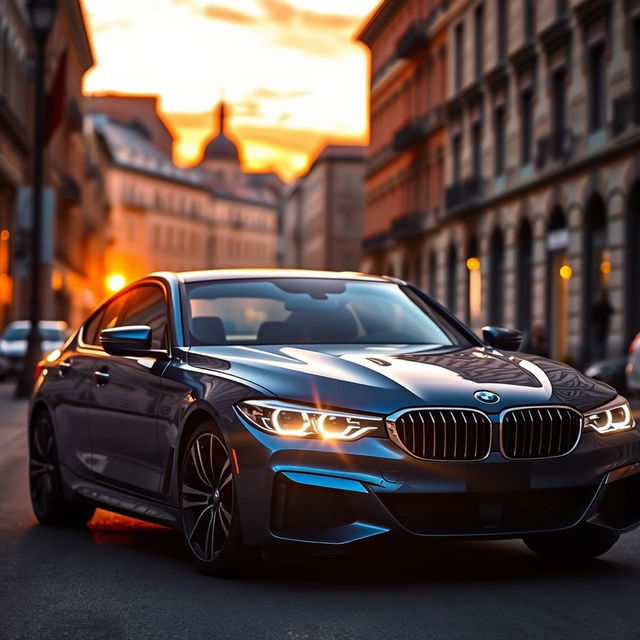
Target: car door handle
[64, 367]
[101, 376]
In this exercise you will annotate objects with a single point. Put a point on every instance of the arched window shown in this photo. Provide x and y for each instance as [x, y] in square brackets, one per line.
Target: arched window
[595, 273]
[524, 276]
[632, 270]
[495, 282]
[432, 275]
[473, 282]
[452, 281]
[559, 273]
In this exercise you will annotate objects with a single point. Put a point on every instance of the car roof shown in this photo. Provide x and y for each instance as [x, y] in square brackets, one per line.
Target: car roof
[249, 274]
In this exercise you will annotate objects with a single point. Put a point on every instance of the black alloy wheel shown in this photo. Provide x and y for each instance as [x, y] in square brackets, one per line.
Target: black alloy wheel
[45, 484]
[208, 505]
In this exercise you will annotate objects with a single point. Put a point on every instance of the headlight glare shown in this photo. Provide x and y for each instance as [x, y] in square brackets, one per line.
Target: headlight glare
[280, 418]
[612, 418]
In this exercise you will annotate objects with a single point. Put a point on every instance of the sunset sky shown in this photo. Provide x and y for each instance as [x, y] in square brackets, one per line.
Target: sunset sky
[290, 69]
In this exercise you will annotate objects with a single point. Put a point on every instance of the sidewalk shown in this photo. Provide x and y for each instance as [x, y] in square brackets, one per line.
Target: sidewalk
[13, 411]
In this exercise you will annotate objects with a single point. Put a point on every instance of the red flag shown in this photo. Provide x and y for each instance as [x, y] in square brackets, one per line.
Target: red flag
[56, 99]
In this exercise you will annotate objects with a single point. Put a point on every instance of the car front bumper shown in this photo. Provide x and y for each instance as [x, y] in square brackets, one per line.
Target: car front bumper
[313, 491]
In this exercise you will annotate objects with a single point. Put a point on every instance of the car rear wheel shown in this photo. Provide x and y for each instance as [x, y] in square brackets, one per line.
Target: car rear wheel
[571, 546]
[209, 505]
[45, 483]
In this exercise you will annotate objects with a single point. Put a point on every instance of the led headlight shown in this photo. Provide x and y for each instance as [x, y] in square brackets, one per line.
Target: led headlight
[299, 421]
[613, 417]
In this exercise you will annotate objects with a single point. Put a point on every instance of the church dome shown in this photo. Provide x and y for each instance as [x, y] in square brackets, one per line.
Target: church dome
[221, 147]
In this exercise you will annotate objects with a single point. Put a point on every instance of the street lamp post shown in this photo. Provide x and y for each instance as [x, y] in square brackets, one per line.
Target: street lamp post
[42, 15]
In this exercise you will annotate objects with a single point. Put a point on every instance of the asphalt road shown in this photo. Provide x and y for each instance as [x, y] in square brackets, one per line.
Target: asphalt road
[121, 578]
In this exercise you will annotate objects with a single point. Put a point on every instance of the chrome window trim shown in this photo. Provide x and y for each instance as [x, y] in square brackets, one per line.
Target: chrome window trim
[390, 421]
[542, 406]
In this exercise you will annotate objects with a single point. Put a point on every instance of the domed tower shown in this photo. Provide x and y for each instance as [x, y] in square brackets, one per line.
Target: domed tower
[221, 157]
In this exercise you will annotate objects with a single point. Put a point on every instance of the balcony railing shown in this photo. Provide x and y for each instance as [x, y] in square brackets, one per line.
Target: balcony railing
[464, 193]
[408, 135]
[557, 147]
[413, 40]
[410, 223]
[626, 110]
[417, 129]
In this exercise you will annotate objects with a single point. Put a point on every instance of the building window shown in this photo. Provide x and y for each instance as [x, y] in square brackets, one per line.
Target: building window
[635, 69]
[456, 157]
[479, 40]
[558, 102]
[500, 141]
[501, 35]
[459, 54]
[526, 127]
[476, 149]
[597, 88]
[529, 20]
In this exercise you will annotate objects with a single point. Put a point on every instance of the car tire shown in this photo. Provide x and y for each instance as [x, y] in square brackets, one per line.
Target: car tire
[208, 504]
[572, 546]
[48, 500]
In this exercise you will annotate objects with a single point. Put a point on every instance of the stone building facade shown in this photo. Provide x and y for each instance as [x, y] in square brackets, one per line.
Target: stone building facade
[15, 137]
[164, 217]
[542, 190]
[322, 212]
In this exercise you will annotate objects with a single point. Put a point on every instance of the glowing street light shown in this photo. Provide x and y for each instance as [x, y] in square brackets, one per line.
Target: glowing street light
[115, 282]
[566, 272]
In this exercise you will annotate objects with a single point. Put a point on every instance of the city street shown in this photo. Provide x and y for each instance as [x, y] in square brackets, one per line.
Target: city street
[125, 579]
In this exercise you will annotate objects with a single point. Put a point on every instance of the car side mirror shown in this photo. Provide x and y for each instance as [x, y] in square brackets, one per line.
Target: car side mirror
[501, 338]
[134, 340]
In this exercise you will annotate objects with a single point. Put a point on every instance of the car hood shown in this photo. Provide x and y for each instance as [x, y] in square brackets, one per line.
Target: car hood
[383, 379]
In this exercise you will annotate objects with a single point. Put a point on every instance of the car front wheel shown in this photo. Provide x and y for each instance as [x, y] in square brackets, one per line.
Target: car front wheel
[209, 505]
[572, 546]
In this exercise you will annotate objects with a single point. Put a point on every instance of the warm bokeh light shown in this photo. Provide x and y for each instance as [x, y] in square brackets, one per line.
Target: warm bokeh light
[473, 264]
[115, 282]
[291, 70]
[605, 267]
[566, 272]
[57, 281]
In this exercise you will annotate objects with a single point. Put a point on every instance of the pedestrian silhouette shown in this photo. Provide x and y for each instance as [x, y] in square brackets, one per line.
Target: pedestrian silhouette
[601, 312]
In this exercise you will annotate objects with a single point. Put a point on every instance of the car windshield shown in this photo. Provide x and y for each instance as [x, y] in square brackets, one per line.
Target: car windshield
[22, 333]
[312, 311]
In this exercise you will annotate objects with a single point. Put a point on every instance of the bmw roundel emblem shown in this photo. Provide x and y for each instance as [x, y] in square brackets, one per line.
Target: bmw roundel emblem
[487, 396]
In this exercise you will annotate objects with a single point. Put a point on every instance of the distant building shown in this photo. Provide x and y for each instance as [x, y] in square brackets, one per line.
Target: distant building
[163, 217]
[322, 212]
[406, 164]
[542, 176]
[15, 139]
[74, 211]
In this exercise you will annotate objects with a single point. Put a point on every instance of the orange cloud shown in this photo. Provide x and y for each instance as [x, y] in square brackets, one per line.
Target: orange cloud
[225, 14]
[290, 70]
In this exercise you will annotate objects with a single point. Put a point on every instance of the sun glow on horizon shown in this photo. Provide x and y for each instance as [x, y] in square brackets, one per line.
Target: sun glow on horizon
[291, 70]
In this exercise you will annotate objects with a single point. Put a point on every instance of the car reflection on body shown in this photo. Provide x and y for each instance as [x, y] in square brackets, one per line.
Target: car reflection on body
[252, 409]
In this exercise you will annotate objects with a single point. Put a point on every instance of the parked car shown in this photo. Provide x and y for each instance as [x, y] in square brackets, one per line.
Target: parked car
[633, 367]
[13, 342]
[254, 409]
[611, 371]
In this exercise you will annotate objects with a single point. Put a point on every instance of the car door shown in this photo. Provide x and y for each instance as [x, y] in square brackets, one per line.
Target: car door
[122, 420]
[71, 389]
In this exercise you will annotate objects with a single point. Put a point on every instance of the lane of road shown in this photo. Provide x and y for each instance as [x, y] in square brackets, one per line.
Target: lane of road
[121, 578]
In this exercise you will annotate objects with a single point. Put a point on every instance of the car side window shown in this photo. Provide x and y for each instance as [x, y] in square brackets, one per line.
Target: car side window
[104, 319]
[148, 306]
